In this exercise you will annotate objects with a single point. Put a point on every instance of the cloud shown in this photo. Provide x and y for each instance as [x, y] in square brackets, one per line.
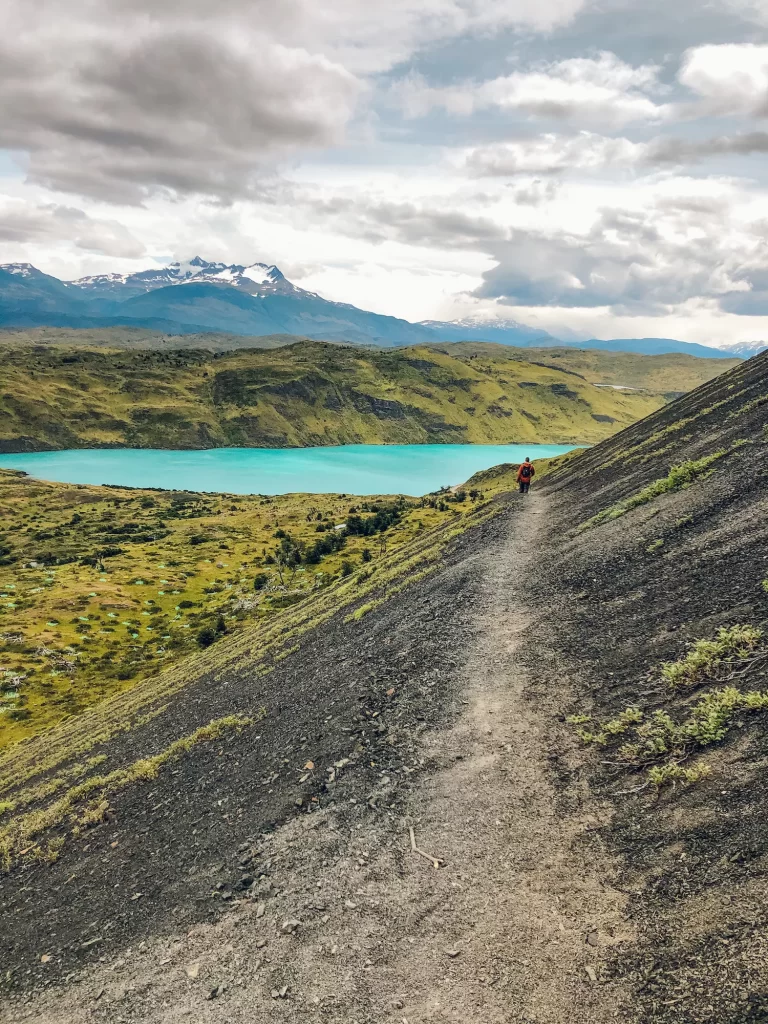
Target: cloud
[120, 99]
[429, 222]
[23, 223]
[119, 115]
[730, 78]
[589, 91]
[553, 154]
[557, 154]
[648, 261]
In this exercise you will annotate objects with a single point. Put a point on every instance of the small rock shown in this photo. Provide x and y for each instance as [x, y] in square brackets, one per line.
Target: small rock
[591, 973]
[261, 943]
[45, 958]
[214, 992]
[260, 910]
[593, 937]
[290, 926]
[350, 905]
[274, 993]
[193, 970]
[453, 953]
[245, 882]
[283, 992]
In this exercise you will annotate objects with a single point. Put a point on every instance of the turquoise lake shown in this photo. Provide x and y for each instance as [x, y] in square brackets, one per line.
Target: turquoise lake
[351, 469]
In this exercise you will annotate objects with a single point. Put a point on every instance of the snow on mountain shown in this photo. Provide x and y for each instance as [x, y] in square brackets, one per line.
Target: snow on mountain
[745, 349]
[28, 272]
[483, 323]
[20, 269]
[501, 331]
[256, 278]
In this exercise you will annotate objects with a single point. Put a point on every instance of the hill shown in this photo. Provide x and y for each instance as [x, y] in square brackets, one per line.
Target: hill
[130, 338]
[311, 393]
[516, 770]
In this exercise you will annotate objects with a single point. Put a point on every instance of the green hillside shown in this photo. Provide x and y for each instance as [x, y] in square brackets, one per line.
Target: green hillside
[314, 393]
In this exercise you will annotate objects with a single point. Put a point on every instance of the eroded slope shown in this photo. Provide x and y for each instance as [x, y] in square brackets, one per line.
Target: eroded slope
[658, 539]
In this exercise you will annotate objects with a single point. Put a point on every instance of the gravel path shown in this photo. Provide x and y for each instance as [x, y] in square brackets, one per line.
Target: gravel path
[345, 924]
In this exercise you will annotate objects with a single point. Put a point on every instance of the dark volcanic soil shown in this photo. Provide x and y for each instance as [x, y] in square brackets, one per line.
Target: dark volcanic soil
[359, 691]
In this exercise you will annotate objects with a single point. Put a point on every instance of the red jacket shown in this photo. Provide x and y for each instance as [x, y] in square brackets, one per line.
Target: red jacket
[531, 473]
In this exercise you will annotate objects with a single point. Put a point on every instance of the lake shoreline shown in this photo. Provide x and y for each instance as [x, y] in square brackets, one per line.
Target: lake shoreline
[362, 470]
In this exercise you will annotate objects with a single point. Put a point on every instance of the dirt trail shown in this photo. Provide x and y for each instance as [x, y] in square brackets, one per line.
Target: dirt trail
[353, 927]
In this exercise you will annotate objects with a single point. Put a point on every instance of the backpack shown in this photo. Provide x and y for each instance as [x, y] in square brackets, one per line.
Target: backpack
[525, 471]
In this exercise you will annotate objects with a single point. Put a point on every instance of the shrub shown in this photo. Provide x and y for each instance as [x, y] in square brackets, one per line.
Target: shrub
[207, 636]
[346, 569]
[661, 775]
[706, 656]
[679, 476]
[365, 555]
[260, 581]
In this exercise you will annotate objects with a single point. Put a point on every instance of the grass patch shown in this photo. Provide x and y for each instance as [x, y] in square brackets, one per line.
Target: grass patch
[661, 743]
[76, 630]
[19, 837]
[679, 476]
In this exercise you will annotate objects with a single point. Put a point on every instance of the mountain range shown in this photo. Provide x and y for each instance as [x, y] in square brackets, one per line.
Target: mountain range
[257, 300]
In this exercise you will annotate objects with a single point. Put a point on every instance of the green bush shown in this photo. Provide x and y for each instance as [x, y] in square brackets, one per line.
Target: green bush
[207, 636]
[706, 656]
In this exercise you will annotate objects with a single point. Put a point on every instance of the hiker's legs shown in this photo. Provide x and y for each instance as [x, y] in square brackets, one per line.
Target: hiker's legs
[522, 487]
[526, 488]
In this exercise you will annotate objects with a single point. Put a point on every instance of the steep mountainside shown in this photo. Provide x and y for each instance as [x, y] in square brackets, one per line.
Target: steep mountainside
[305, 394]
[652, 592]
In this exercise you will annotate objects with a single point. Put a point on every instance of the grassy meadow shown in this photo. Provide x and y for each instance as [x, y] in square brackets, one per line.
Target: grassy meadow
[314, 393]
[101, 587]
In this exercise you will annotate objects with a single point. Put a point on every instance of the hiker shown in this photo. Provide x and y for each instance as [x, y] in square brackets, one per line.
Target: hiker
[525, 475]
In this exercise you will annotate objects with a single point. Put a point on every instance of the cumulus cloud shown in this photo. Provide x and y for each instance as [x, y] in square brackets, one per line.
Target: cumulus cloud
[120, 114]
[644, 261]
[553, 154]
[730, 78]
[603, 90]
[427, 222]
[23, 223]
[120, 99]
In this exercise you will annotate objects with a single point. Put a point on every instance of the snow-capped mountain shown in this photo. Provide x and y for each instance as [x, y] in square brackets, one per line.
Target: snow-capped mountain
[30, 273]
[745, 349]
[254, 300]
[502, 331]
[256, 279]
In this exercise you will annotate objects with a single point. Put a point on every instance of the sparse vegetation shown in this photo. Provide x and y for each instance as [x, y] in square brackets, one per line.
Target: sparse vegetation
[642, 739]
[679, 476]
[21, 833]
[707, 657]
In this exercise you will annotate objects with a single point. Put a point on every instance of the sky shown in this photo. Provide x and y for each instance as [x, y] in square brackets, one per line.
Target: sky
[596, 168]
